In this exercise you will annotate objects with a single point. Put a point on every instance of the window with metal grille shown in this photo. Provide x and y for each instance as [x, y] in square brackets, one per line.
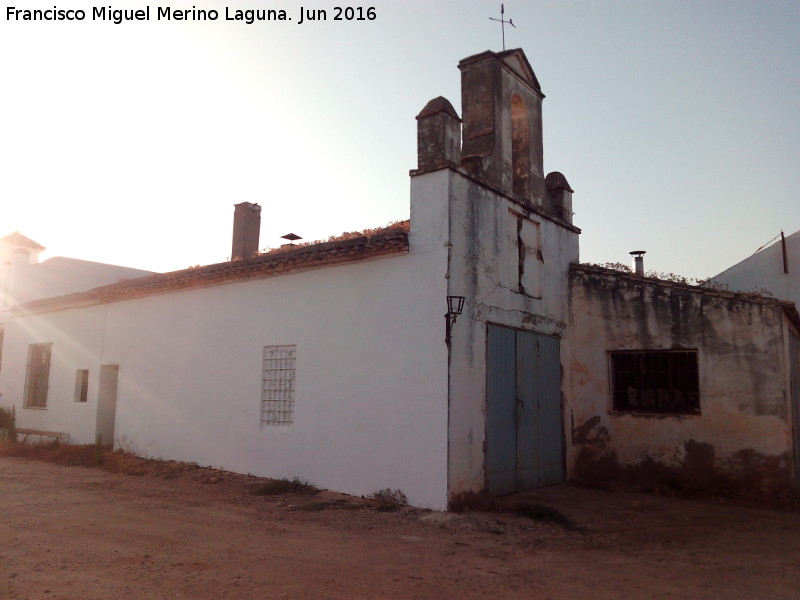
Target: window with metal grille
[36, 378]
[277, 397]
[655, 381]
[81, 385]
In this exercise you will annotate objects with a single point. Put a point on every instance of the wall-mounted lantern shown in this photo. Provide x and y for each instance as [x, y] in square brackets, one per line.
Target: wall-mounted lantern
[455, 304]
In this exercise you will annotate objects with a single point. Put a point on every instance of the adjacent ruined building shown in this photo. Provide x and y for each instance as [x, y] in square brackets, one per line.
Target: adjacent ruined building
[677, 386]
[466, 350]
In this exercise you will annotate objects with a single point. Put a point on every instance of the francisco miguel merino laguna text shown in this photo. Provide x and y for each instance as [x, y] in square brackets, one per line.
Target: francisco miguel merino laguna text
[167, 13]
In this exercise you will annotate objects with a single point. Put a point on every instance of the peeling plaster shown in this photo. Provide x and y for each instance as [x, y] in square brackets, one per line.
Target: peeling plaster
[741, 436]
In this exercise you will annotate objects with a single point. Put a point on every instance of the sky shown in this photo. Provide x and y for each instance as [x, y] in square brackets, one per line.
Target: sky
[676, 123]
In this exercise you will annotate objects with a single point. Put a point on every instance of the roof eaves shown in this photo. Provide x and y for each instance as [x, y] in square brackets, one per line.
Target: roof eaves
[743, 296]
[280, 262]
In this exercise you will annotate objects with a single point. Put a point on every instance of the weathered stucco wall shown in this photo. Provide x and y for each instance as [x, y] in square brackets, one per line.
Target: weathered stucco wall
[742, 436]
[486, 267]
[371, 372]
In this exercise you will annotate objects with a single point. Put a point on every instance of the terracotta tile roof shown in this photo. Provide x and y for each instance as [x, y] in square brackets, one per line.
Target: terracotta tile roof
[392, 240]
[17, 239]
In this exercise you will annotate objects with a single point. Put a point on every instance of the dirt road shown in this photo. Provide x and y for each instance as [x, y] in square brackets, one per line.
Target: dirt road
[78, 533]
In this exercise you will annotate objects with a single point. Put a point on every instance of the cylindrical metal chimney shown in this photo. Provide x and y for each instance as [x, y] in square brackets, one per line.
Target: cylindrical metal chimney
[638, 262]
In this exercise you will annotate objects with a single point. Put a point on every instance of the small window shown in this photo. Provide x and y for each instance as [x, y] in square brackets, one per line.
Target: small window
[655, 381]
[277, 398]
[37, 376]
[81, 385]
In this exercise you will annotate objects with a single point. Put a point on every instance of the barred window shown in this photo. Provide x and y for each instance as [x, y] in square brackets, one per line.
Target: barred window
[277, 398]
[655, 381]
[37, 375]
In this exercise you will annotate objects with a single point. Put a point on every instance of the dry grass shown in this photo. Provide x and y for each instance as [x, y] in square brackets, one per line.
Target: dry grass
[92, 455]
[483, 502]
[279, 487]
[346, 235]
[389, 500]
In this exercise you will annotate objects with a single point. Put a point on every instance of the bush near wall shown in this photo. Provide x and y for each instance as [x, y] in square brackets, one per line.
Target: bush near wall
[8, 419]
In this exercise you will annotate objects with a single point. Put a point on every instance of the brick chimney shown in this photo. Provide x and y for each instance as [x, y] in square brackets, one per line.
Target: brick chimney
[246, 229]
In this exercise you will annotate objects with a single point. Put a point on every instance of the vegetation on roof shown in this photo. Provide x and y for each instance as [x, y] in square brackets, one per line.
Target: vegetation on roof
[346, 235]
[705, 284]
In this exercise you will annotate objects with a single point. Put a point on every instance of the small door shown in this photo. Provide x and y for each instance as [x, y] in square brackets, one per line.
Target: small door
[107, 403]
[524, 427]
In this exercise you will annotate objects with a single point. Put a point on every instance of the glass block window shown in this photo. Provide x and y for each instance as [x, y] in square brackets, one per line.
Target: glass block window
[277, 397]
[655, 381]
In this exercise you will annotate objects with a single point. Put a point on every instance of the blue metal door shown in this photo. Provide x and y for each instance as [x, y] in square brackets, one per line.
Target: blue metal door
[549, 419]
[501, 413]
[524, 447]
[527, 426]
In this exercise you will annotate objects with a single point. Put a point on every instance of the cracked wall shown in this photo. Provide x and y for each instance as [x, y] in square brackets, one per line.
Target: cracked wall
[741, 441]
[510, 262]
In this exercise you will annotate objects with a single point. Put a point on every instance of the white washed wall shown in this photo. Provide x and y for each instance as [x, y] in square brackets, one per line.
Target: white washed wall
[76, 338]
[484, 267]
[371, 398]
[764, 271]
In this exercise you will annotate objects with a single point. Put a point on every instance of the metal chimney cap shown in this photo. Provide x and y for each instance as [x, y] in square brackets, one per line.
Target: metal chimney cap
[638, 252]
[291, 237]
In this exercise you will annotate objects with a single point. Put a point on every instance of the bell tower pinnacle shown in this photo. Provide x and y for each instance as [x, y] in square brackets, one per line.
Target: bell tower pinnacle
[501, 102]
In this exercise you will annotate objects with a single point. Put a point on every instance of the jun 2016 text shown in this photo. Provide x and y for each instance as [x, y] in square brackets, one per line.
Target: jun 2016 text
[168, 13]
